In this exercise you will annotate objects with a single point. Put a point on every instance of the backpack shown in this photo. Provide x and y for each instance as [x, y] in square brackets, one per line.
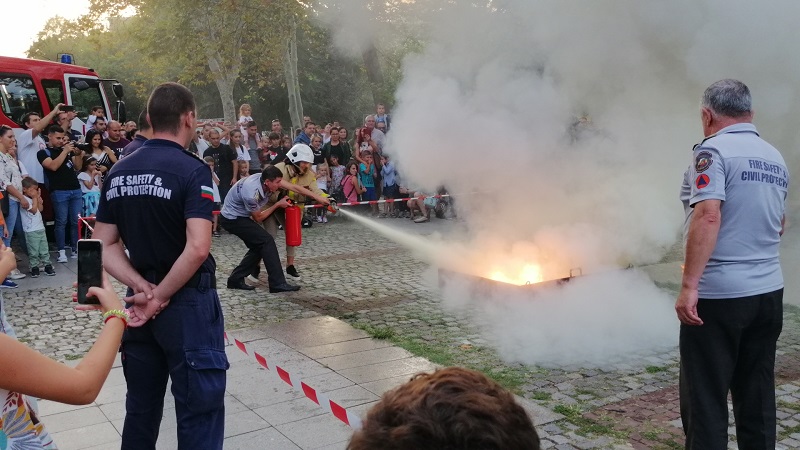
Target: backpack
[338, 193]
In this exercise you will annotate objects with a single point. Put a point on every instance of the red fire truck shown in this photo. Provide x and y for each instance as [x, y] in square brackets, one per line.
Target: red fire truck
[36, 85]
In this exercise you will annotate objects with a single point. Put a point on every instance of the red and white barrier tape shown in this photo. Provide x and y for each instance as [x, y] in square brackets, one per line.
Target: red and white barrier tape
[349, 418]
[84, 222]
[376, 202]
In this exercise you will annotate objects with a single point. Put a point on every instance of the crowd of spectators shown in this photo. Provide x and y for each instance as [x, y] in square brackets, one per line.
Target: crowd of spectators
[351, 170]
[69, 168]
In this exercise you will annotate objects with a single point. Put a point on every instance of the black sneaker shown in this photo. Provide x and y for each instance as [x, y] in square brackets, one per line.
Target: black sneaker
[34, 272]
[293, 272]
[48, 269]
[215, 234]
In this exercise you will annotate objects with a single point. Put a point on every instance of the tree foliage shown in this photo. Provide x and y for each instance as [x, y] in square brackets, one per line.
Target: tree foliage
[234, 51]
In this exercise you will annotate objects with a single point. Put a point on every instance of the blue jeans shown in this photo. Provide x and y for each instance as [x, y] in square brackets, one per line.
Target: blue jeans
[185, 342]
[11, 220]
[67, 205]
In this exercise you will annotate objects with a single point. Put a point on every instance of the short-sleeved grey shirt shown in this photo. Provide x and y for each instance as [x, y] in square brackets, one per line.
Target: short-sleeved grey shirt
[245, 197]
[750, 177]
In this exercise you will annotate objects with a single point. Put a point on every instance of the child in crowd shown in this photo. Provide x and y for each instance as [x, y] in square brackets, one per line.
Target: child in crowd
[245, 113]
[323, 180]
[316, 147]
[287, 144]
[390, 189]
[366, 173]
[90, 178]
[97, 111]
[215, 188]
[33, 226]
[337, 175]
[351, 186]
[244, 168]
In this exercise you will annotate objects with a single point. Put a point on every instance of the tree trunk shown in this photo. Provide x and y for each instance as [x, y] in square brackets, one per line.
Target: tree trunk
[374, 73]
[293, 77]
[225, 80]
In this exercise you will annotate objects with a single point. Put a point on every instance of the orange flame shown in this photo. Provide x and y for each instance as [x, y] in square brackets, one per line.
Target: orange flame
[529, 274]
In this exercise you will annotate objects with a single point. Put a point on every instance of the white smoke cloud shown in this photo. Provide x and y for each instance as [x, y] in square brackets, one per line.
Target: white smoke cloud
[564, 127]
[590, 321]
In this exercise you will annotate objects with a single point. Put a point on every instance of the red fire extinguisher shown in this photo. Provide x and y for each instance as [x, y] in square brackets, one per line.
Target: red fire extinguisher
[293, 226]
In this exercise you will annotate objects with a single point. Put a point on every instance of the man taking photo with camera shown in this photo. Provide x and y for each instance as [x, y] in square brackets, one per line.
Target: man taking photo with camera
[61, 161]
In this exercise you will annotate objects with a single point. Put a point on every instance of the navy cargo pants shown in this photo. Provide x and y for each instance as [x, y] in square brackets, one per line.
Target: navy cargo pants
[184, 342]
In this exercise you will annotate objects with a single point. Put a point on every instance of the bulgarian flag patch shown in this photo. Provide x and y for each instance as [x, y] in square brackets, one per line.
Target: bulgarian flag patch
[207, 192]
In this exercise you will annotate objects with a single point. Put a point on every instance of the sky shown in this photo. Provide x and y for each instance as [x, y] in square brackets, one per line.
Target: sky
[18, 35]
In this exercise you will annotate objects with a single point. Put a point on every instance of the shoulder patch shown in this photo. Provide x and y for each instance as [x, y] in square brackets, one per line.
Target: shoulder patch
[703, 162]
[702, 181]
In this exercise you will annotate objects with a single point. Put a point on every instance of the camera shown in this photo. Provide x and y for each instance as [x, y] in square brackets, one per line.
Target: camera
[84, 147]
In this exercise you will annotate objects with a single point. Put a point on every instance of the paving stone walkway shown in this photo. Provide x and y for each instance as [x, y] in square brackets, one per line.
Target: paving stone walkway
[373, 288]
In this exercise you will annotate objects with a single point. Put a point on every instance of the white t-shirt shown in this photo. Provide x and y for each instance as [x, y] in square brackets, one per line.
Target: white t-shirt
[31, 218]
[22, 169]
[241, 153]
[202, 145]
[83, 177]
[215, 187]
[27, 148]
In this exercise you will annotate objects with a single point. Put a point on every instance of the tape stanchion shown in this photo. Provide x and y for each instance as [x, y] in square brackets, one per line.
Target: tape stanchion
[84, 222]
[376, 202]
[338, 411]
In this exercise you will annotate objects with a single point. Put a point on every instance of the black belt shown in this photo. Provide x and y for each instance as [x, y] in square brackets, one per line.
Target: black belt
[197, 280]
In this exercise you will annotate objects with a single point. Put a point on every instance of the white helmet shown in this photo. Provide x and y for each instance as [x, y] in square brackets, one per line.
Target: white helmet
[299, 153]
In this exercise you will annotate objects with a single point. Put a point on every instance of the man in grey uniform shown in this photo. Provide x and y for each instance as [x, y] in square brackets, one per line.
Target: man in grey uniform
[243, 210]
[731, 299]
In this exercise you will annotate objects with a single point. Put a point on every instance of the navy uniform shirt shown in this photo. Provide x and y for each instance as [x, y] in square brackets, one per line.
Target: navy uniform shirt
[149, 195]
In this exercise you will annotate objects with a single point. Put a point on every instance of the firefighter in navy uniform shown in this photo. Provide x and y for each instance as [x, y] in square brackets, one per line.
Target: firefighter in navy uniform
[158, 201]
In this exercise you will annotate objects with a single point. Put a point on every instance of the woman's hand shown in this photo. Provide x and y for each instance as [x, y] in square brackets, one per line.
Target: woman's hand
[8, 261]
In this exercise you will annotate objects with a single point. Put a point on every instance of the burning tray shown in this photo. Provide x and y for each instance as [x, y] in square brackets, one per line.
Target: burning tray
[478, 284]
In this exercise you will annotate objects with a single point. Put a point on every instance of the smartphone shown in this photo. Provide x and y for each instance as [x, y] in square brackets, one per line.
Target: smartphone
[67, 108]
[90, 269]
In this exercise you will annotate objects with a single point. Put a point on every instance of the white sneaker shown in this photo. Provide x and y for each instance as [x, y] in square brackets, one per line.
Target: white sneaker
[253, 279]
[16, 275]
[62, 256]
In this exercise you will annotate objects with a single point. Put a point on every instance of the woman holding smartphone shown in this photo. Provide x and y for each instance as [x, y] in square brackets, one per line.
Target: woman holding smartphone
[27, 372]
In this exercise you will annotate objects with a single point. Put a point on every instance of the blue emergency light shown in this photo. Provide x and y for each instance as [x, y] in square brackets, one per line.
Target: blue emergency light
[65, 58]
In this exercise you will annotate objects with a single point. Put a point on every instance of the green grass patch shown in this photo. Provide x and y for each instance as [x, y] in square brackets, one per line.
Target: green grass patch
[788, 432]
[538, 395]
[73, 357]
[787, 405]
[655, 369]
[580, 391]
[510, 379]
[383, 333]
[588, 427]
[431, 353]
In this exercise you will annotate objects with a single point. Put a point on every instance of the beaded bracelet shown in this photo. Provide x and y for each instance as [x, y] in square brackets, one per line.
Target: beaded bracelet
[118, 313]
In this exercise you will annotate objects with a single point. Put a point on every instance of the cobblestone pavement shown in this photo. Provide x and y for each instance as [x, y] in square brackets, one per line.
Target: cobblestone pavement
[364, 279]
